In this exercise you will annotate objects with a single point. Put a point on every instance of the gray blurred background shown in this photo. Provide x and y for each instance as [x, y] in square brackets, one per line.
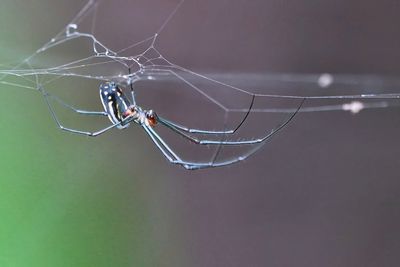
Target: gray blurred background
[323, 192]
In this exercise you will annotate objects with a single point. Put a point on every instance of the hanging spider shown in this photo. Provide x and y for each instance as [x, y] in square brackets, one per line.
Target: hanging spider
[122, 112]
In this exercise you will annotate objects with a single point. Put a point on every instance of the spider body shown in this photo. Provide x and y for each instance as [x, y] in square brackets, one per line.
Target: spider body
[115, 104]
[122, 111]
[119, 109]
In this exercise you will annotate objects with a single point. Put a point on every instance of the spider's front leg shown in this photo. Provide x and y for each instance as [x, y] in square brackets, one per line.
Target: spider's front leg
[186, 133]
[151, 119]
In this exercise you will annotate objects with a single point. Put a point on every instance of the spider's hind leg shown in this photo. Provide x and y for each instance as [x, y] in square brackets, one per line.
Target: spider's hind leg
[47, 96]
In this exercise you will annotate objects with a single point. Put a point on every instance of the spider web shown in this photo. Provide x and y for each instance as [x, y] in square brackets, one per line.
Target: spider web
[82, 56]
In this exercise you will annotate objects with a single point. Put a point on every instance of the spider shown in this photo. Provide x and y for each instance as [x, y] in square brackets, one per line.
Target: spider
[122, 111]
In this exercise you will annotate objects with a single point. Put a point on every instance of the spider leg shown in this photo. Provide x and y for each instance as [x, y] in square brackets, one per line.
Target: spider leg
[198, 131]
[79, 111]
[161, 145]
[62, 127]
[168, 153]
[242, 142]
[172, 157]
[132, 91]
[213, 164]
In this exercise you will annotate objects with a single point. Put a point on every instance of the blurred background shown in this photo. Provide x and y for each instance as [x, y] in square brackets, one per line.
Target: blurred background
[323, 192]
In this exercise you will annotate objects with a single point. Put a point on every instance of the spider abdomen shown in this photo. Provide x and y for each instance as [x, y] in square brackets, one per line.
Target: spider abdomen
[115, 103]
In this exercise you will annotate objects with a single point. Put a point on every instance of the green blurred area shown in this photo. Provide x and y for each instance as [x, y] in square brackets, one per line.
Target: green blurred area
[66, 200]
[58, 208]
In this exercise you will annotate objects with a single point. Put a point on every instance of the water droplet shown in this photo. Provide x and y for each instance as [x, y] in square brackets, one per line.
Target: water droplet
[325, 80]
[71, 28]
[354, 107]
